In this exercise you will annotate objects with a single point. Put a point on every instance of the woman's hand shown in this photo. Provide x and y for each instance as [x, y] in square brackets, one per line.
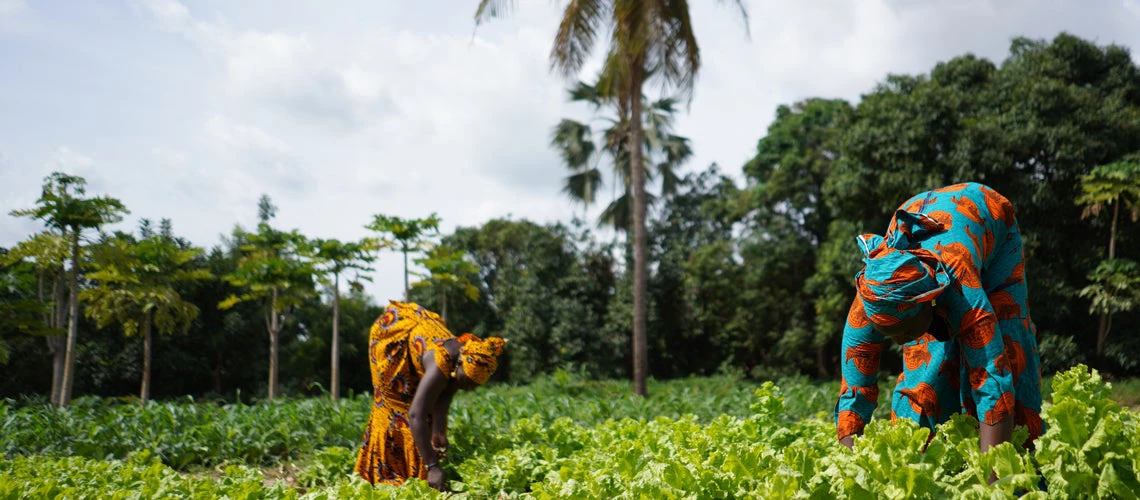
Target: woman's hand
[848, 441]
[437, 479]
[439, 443]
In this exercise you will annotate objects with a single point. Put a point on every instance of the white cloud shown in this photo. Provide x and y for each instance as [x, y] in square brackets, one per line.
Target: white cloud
[395, 107]
[16, 18]
[283, 70]
[257, 159]
[68, 160]
[12, 7]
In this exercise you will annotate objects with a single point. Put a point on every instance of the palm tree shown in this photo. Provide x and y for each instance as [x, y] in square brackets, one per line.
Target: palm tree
[649, 38]
[64, 207]
[135, 288]
[334, 257]
[575, 142]
[1110, 185]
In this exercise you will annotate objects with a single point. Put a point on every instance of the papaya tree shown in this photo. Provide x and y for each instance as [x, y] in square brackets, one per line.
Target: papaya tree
[64, 207]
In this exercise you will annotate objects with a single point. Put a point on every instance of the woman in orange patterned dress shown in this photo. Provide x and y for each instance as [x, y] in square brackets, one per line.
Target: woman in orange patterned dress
[417, 366]
[947, 282]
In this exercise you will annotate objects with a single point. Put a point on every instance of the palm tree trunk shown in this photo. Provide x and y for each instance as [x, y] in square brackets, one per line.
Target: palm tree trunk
[335, 385]
[144, 392]
[273, 329]
[640, 234]
[72, 325]
[58, 343]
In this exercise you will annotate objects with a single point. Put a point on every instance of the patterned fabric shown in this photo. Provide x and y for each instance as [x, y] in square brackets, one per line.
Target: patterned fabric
[398, 341]
[980, 355]
[480, 358]
[895, 279]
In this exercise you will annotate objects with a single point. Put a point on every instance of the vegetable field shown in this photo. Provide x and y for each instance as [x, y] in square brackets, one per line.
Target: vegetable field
[561, 437]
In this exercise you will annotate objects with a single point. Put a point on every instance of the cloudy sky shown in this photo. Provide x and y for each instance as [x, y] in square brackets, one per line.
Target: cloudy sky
[190, 109]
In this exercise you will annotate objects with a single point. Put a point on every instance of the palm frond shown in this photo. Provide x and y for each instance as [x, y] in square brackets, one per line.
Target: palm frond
[743, 16]
[583, 186]
[576, 35]
[573, 141]
[490, 9]
[619, 213]
[584, 92]
[677, 149]
[669, 179]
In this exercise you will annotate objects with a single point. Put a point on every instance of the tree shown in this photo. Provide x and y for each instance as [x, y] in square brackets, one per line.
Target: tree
[575, 142]
[1028, 127]
[1114, 289]
[448, 269]
[1111, 185]
[21, 313]
[648, 39]
[64, 207]
[788, 221]
[48, 251]
[697, 289]
[406, 234]
[334, 257]
[273, 271]
[135, 287]
[545, 292]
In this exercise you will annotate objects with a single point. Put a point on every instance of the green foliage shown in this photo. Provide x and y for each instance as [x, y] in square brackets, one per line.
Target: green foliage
[1115, 288]
[769, 450]
[1107, 185]
[567, 437]
[327, 466]
[332, 256]
[21, 312]
[63, 205]
[142, 475]
[1091, 444]
[183, 434]
[404, 234]
[546, 289]
[47, 250]
[449, 268]
[134, 283]
[272, 267]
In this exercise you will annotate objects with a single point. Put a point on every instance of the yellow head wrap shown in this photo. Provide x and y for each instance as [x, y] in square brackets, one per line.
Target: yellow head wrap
[480, 358]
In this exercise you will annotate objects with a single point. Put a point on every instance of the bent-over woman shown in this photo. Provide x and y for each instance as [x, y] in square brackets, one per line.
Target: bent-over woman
[947, 282]
[417, 366]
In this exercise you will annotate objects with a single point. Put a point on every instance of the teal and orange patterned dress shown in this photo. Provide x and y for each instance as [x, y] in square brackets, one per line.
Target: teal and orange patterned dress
[980, 353]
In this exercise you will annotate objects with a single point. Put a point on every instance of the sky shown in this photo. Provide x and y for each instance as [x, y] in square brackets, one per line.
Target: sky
[191, 109]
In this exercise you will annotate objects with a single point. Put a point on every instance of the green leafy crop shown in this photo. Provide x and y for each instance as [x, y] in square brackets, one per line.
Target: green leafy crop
[566, 438]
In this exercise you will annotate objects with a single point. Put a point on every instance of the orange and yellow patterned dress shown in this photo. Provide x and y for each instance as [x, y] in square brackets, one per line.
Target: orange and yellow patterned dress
[397, 343]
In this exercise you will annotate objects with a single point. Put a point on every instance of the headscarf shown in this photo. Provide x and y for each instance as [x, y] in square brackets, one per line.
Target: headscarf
[480, 358]
[896, 279]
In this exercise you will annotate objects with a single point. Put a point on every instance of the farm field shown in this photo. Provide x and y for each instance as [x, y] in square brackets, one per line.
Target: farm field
[560, 437]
